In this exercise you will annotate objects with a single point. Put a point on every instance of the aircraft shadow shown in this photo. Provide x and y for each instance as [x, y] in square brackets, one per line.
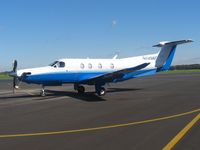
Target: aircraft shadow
[87, 96]
[12, 96]
[111, 90]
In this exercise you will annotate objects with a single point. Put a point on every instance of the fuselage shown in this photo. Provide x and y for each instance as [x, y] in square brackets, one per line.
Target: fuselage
[76, 70]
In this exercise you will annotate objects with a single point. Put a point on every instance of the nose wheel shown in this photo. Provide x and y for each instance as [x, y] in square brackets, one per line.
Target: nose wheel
[42, 93]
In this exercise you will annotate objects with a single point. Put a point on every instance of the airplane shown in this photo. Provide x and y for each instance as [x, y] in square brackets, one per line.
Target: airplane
[97, 72]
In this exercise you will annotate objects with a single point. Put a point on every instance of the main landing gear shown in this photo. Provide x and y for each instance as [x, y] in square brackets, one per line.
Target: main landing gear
[101, 91]
[79, 88]
[98, 89]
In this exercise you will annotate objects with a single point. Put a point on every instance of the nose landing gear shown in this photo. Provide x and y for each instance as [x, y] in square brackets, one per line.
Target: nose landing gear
[42, 93]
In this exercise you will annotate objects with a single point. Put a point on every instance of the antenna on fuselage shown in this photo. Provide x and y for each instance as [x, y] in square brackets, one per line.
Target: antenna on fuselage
[116, 54]
[115, 57]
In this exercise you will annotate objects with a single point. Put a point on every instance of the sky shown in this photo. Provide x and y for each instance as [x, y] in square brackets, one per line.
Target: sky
[37, 32]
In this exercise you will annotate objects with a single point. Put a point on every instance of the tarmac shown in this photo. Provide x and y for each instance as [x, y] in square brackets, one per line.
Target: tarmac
[155, 112]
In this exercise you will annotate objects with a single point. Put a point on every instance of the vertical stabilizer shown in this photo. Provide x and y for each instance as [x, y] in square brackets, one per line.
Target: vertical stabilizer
[166, 54]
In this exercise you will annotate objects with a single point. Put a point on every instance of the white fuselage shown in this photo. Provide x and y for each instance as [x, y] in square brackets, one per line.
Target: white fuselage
[94, 65]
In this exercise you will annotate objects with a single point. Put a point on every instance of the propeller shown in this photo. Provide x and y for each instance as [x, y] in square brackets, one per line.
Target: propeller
[14, 75]
[15, 66]
[16, 79]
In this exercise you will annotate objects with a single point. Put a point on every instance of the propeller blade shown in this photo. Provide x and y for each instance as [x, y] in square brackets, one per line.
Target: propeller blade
[14, 84]
[15, 66]
[13, 73]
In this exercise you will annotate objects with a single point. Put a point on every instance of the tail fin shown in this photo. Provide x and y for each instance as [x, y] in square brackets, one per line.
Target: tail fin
[166, 54]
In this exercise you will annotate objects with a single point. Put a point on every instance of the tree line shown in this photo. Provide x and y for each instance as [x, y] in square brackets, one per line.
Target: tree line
[185, 67]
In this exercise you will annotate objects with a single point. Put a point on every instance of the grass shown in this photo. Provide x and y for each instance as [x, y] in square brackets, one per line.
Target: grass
[4, 77]
[181, 71]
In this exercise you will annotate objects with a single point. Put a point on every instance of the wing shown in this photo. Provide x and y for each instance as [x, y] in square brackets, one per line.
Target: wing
[111, 76]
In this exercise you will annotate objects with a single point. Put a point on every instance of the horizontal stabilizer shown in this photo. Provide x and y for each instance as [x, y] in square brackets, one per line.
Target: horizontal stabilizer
[166, 43]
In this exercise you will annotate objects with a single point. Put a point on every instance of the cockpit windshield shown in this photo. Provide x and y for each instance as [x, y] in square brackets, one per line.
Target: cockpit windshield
[56, 64]
[52, 64]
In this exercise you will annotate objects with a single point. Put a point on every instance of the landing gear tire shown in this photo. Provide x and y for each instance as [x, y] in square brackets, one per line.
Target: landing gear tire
[101, 91]
[80, 89]
[42, 93]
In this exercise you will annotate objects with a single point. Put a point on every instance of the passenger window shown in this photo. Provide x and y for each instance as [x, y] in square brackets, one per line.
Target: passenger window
[112, 66]
[100, 66]
[90, 66]
[82, 66]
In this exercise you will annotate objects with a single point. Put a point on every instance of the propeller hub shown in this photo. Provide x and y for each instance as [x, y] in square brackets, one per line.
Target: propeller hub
[12, 74]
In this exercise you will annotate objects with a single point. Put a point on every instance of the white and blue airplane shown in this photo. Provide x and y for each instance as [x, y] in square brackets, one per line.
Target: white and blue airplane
[97, 72]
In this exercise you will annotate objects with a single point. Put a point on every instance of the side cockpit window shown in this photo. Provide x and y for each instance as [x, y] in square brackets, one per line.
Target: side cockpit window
[61, 64]
[57, 64]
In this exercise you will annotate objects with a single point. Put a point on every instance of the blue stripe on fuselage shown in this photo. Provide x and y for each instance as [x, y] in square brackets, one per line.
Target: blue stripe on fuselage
[60, 77]
[74, 77]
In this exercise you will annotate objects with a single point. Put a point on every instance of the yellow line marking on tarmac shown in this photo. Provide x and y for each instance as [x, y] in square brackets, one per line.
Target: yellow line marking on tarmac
[98, 128]
[179, 136]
